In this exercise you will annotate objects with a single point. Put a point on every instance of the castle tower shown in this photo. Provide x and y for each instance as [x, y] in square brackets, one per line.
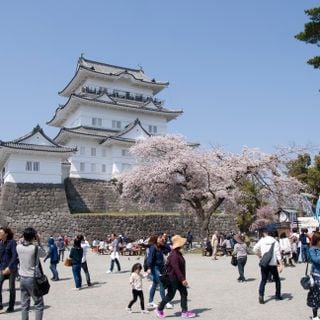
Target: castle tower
[108, 109]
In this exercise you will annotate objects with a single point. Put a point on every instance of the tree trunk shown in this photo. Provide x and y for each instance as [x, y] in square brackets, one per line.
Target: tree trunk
[204, 230]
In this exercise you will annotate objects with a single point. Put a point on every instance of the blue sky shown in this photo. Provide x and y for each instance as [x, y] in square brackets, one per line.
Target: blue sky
[233, 66]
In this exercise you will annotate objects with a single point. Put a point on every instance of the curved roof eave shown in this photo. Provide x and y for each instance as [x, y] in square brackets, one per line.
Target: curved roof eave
[155, 84]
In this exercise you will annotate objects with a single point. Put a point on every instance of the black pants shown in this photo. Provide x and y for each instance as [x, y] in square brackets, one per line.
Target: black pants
[264, 277]
[12, 288]
[136, 294]
[117, 263]
[172, 289]
[241, 263]
[61, 254]
[84, 267]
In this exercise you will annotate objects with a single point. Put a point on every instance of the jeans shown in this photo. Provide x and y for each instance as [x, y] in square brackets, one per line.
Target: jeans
[155, 282]
[304, 252]
[241, 263]
[84, 266]
[26, 287]
[12, 288]
[136, 294]
[76, 270]
[53, 268]
[172, 289]
[264, 277]
[61, 254]
[117, 263]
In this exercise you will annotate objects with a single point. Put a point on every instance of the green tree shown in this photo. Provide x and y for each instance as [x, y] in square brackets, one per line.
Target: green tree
[311, 33]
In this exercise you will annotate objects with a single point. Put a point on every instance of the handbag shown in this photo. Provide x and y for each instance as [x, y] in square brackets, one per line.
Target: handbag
[266, 258]
[306, 281]
[41, 285]
[234, 261]
[68, 262]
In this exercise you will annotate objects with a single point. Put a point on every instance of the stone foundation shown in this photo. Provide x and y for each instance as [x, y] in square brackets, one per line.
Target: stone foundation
[46, 207]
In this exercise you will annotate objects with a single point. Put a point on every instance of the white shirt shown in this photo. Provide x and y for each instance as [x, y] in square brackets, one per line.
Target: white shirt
[85, 246]
[285, 245]
[136, 281]
[264, 245]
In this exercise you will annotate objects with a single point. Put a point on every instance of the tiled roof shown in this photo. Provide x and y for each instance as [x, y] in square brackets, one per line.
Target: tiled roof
[119, 104]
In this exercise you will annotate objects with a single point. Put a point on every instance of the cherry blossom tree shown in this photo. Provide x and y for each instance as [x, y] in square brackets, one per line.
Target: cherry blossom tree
[204, 180]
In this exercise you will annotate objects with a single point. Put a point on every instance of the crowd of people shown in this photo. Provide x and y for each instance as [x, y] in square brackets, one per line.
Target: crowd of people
[164, 264]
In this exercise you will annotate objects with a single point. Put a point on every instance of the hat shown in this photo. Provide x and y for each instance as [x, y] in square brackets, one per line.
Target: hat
[238, 238]
[178, 241]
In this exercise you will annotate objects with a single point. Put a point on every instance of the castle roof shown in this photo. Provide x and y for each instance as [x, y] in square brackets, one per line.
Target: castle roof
[36, 140]
[63, 111]
[88, 68]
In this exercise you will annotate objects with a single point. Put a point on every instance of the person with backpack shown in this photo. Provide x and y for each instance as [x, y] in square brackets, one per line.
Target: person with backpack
[268, 250]
[54, 259]
[304, 239]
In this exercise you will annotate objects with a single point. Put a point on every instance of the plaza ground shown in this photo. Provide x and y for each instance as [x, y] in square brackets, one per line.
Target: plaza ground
[214, 293]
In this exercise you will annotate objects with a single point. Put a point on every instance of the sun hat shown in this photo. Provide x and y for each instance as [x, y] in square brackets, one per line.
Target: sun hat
[238, 238]
[178, 241]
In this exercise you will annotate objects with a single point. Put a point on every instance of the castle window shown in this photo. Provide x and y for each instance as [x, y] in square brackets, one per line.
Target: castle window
[153, 129]
[82, 151]
[32, 166]
[93, 152]
[104, 168]
[82, 166]
[29, 166]
[96, 122]
[116, 124]
[104, 152]
[125, 152]
[93, 167]
[125, 166]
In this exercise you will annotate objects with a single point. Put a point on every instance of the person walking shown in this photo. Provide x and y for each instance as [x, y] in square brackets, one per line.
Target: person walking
[114, 256]
[285, 249]
[8, 265]
[85, 247]
[61, 248]
[304, 240]
[155, 263]
[26, 253]
[313, 300]
[189, 239]
[214, 244]
[54, 259]
[262, 247]
[66, 242]
[241, 252]
[136, 284]
[76, 254]
[176, 269]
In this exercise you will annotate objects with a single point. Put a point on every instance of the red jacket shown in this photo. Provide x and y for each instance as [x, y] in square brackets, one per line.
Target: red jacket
[176, 266]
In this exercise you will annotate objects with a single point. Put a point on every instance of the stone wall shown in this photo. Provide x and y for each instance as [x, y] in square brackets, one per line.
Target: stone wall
[45, 207]
[42, 206]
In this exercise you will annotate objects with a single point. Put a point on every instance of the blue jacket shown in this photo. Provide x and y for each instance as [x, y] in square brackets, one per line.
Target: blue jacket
[53, 252]
[314, 258]
[8, 255]
[155, 258]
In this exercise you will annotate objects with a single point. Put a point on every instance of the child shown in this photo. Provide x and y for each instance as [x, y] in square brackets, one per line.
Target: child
[136, 283]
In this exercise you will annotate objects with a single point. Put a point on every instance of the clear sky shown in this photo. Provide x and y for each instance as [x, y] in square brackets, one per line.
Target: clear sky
[233, 66]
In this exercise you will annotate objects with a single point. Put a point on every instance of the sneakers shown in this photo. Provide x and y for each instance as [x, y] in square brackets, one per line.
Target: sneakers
[9, 310]
[159, 313]
[169, 306]
[152, 305]
[129, 310]
[109, 271]
[188, 314]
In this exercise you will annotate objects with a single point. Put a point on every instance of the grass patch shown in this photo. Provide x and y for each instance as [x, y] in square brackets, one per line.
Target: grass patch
[127, 214]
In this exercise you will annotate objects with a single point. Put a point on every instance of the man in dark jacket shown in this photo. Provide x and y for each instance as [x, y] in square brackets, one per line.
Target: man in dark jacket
[8, 265]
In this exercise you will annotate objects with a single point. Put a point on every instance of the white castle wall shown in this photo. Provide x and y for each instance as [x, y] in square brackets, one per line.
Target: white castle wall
[49, 169]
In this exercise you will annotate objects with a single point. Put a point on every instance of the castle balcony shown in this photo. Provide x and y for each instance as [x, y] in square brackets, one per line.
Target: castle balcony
[123, 95]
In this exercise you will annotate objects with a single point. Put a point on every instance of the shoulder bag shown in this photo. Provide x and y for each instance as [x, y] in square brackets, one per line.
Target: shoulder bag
[306, 281]
[234, 260]
[41, 284]
[267, 257]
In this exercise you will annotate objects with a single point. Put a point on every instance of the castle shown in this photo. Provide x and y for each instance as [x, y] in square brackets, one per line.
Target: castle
[108, 109]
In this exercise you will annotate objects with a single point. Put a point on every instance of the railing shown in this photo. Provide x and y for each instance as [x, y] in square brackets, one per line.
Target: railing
[120, 94]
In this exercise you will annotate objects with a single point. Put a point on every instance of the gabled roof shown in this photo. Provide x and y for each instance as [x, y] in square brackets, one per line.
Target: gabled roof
[170, 114]
[46, 145]
[88, 68]
[121, 136]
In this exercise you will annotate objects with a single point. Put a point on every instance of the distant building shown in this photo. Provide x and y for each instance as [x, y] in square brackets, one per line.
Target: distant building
[108, 109]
